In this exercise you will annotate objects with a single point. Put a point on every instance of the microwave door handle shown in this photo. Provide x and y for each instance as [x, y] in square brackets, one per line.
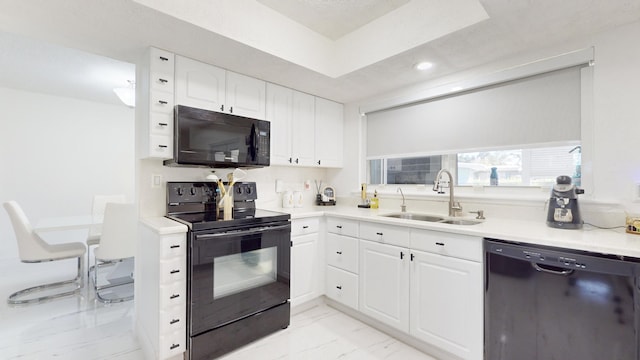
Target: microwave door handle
[243, 232]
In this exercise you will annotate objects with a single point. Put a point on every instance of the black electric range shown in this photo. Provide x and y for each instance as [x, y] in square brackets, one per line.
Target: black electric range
[238, 271]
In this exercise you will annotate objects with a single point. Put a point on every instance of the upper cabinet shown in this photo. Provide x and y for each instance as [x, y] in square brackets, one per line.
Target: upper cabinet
[328, 132]
[305, 130]
[154, 105]
[208, 87]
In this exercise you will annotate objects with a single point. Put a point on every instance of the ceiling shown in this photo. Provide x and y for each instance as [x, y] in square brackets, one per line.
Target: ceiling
[84, 48]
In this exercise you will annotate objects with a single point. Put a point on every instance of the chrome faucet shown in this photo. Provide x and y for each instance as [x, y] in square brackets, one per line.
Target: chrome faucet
[453, 205]
[403, 207]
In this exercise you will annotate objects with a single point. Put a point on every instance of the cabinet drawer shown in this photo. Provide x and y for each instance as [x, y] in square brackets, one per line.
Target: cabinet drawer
[342, 227]
[342, 252]
[161, 123]
[162, 62]
[172, 270]
[160, 101]
[172, 320]
[342, 286]
[454, 245]
[388, 234]
[304, 226]
[161, 80]
[172, 344]
[172, 295]
[173, 246]
[160, 146]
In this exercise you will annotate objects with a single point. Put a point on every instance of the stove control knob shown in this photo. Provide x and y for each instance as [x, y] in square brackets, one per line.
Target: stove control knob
[180, 191]
[239, 190]
[193, 191]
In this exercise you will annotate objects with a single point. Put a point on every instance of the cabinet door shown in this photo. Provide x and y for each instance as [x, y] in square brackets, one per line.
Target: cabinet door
[384, 283]
[446, 303]
[245, 96]
[329, 129]
[279, 103]
[199, 85]
[303, 137]
[304, 268]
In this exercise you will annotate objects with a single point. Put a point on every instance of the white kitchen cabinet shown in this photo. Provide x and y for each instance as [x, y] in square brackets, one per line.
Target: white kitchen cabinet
[329, 117]
[342, 261]
[161, 288]
[245, 96]
[154, 105]
[307, 262]
[303, 131]
[447, 293]
[384, 283]
[292, 118]
[280, 115]
[205, 86]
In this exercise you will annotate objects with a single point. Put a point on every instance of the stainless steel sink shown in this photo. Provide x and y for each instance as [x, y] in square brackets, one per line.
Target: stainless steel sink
[431, 218]
[459, 222]
[411, 216]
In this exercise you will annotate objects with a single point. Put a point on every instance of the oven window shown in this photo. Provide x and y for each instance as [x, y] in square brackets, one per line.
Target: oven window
[247, 270]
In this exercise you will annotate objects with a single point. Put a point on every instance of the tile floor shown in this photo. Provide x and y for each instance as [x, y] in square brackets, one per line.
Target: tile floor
[79, 328]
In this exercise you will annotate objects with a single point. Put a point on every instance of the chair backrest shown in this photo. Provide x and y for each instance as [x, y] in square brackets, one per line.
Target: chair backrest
[119, 232]
[30, 246]
[99, 204]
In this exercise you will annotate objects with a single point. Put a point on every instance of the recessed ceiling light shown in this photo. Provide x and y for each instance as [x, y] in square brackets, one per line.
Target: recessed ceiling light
[423, 65]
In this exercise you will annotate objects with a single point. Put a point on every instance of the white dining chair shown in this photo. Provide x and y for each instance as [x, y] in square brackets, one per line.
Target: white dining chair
[97, 216]
[33, 249]
[117, 243]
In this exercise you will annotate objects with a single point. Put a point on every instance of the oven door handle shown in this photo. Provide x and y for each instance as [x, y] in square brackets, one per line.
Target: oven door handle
[243, 232]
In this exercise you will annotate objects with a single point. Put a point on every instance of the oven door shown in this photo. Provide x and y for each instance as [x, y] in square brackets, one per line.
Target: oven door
[235, 274]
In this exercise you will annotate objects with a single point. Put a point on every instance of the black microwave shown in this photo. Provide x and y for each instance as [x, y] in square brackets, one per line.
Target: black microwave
[213, 139]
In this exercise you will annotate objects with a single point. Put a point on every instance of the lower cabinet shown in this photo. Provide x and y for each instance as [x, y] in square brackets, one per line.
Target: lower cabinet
[307, 261]
[446, 303]
[342, 286]
[161, 288]
[384, 283]
[432, 290]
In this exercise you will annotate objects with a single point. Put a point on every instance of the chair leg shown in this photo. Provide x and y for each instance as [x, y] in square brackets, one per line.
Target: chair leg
[79, 279]
[99, 264]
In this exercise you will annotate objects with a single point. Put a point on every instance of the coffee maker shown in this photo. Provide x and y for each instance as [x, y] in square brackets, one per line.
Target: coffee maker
[564, 212]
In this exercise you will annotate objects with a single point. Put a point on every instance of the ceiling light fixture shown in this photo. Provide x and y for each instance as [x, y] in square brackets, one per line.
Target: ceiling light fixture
[425, 65]
[127, 94]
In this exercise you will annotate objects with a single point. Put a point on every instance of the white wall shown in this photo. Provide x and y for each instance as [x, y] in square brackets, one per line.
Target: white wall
[56, 153]
[613, 159]
[153, 199]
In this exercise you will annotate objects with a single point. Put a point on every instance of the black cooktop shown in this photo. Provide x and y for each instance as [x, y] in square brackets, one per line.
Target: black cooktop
[195, 205]
[209, 221]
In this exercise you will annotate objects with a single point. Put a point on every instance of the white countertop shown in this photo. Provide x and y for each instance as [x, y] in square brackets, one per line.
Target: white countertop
[163, 225]
[588, 238]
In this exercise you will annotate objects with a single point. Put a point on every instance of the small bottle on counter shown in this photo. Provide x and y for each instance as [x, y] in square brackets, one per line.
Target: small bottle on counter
[375, 201]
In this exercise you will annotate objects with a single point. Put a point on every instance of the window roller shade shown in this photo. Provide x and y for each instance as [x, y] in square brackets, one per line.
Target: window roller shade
[540, 109]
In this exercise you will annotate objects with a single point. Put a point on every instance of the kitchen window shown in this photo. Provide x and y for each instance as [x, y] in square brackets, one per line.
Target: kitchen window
[516, 167]
[526, 123]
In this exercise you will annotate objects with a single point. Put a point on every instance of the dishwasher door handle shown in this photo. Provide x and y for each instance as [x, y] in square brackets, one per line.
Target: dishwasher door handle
[565, 272]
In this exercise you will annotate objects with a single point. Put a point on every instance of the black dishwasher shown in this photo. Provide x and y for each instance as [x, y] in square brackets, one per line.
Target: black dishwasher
[546, 303]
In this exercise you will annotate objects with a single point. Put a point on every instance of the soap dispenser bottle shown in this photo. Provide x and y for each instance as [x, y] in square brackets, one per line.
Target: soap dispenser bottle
[375, 201]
